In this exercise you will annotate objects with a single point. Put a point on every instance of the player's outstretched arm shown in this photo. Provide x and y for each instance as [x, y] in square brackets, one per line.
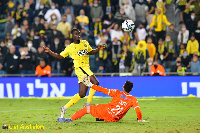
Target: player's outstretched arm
[55, 55]
[94, 51]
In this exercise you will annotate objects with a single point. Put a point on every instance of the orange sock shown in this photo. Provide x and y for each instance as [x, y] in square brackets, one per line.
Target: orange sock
[79, 113]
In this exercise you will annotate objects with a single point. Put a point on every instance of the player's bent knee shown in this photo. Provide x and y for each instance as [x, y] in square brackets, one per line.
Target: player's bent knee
[96, 83]
[82, 95]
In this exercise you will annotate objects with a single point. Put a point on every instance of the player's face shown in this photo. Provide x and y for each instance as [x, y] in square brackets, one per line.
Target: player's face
[76, 35]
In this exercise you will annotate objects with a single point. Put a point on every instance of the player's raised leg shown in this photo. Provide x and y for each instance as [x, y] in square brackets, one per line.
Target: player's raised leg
[94, 81]
[82, 93]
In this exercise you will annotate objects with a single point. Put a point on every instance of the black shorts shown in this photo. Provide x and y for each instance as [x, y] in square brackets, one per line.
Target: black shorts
[182, 8]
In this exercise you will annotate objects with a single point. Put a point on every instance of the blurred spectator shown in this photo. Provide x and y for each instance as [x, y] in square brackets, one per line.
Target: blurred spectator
[96, 14]
[85, 7]
[186, 13]
[161, 53]
[125, 61]
[159, 21]
[161, 4]
[41, 55]
[148, 65]
[182, 49]
[83, 20]
[120, 16]
[26, 60]
[28, 13]
[141, 54]
[170, 49]
[12, 62]
[31, 48]
[141, 32]
[47, 3]
[24, 34]
[115, 32]
[56, 34]
[67, 42]
[43, 37]
[64, 27]
[68, 6]
[14, 31]
[32, 4]
[151, 10]
[8, 37]
[41, 11]
[181, 6]
[116, 54]
[43, 70]
[50, 12]
[70, 16]
[53, 21]
[10, 7]
[10, 43]
[76, 4]
[195, 66]
[4, 49]
[173, 34]
[9, 26]
[197, 32]
[197, 7]
[153, 37]
[140, 10]
[125, 39]
[191, 24]
[183, 36]
[19, 41]
[56, 47]
[107, 22]
[84, 34]
[185, 59]
[181, 71]
[101, 70]
[151, 48]
[129, 11]
[123, 2]
[34, 38]
[18, 17]
[76, 25]
[157, 69]
[178, 63]
[47, 30]
[36, 26]
[192, 46]
[26, 26]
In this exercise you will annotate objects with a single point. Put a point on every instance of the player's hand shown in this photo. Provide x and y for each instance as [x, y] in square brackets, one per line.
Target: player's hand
[142, 121]
[46, 49]
[100, 47]
[86, 80]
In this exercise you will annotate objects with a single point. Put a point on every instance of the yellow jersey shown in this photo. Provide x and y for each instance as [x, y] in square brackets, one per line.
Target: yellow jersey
[79, 53]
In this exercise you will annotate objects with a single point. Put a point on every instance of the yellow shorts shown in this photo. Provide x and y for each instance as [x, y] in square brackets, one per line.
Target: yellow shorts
[79, 73]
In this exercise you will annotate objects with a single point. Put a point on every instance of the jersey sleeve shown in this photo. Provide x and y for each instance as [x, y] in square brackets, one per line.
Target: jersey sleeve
[89, 47]
[37, 70]
[137, 109]
[109, 92]
[65, 53]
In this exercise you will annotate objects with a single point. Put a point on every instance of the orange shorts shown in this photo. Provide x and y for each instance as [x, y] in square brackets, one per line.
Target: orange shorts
[100, 111]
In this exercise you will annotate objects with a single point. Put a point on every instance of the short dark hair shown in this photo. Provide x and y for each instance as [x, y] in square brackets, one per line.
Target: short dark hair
[128, 86]
[72, 31]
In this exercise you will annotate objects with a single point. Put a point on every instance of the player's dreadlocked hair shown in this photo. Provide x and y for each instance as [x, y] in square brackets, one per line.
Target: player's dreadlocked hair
[72, 31]
[128, 86]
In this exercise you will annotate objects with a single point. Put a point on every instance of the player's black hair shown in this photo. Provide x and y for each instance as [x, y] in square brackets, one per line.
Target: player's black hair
[128, 86]
[72, 31]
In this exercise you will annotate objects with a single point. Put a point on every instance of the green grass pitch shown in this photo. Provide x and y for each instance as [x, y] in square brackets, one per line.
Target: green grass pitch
[164, 114]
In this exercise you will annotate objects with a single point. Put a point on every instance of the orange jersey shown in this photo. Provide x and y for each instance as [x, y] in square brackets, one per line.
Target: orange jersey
[45, 71]
[117, 108]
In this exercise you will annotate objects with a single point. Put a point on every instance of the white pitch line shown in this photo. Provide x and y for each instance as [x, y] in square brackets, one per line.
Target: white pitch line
[33, 109]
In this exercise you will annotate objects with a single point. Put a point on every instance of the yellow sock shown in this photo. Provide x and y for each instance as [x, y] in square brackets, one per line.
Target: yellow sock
[91, 94]
[74, 100]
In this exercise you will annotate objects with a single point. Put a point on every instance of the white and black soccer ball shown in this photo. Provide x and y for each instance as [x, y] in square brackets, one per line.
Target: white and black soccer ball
[128, 25]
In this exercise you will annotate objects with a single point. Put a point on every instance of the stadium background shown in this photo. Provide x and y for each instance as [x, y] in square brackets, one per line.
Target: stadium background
[27, 25]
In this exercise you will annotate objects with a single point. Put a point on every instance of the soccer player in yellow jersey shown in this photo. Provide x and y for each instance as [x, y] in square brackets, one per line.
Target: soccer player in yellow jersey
[79, 51]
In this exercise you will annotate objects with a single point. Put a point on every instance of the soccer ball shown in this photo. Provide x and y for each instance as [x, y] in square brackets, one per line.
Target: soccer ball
[128, 25]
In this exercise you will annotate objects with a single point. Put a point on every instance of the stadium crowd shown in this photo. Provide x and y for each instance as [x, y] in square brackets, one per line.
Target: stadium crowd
[32, 24]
